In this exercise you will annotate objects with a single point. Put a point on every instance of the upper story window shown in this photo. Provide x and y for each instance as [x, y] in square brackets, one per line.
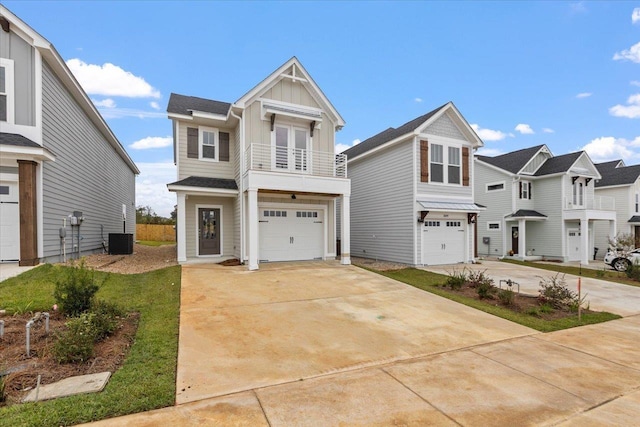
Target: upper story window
[578, 193]
[434, 156]
[208, 139]
[6, 91]
[637, 203]
[525, 189]
[496, 186]
[209, 144]
[437, 163]
[454, 165]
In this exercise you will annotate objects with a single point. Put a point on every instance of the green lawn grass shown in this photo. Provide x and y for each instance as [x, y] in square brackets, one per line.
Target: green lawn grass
[429, 282]
[153, 243]
[146, 380]
[607, 274]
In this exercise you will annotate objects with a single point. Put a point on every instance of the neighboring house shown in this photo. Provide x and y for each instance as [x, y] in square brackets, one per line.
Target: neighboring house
[57, 155]
[258, 178]
[539, 205]
[621, 183]
[412, 195]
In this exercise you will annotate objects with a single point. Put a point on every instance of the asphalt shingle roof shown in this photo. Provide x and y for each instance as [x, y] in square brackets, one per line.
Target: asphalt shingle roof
[635, 218]
[605, 166]
[389, 134]
[182, 104]
[618, 176]
[558, 164]
[203, 182]
[513, 161]
[16, 139]
[526, 212]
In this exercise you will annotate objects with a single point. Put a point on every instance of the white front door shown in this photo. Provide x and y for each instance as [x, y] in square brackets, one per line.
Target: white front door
[291, 234]
[291, 149]
[9, 221]
[443, 242]
[573, 244]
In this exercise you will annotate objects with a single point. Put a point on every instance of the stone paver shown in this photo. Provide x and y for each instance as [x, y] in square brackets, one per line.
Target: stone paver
[90, 383]
[600, 294]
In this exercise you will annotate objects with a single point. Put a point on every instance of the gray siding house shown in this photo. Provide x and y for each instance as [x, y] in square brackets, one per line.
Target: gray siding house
[539, 206]
[412, 196]
[57, 155]
[622, 184]
[258, 179]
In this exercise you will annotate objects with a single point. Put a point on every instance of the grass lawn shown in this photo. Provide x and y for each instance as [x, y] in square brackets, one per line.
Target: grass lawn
[148, 377]
[153, 243]
[429, 282]
[608, 275]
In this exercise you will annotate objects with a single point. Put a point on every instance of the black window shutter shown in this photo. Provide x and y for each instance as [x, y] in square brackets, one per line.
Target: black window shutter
[520, 189]
[530, 187]
[224, 146]
[192, 143]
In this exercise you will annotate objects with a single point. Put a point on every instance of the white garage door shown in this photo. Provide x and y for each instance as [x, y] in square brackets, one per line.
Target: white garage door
[574, 243]
[443, 242]
[291, 234]
[9, 221]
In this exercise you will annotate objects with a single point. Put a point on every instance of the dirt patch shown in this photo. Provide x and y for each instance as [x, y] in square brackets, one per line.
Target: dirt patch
[144, 259]
[378, 265]
[22, 371]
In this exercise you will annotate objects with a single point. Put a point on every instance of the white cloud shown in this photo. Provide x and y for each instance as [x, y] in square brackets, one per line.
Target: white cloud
[578, 7]
[635, 83]
[490, 152]
[418, 99]
[635, 16]
[151, 187]
[154, 105]
[632, 54]
[548, 130]
[339, 148]
[118, 113]
[609, 148]
[152, 142]
[524, 129]
[583, 95]
[105, 103]
[110, 80]
[630, 111]
[488, 134]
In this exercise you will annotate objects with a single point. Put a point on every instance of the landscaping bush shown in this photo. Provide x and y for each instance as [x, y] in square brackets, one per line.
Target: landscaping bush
[633, 271]
[554, 292]
[506, 297]
[485, 289]
[456, 280]
[76, 343]
[478, 277]
[75, 291]
[105, 318]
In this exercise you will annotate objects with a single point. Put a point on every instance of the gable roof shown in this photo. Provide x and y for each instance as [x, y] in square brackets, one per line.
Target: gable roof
[558, 164]
[60, 69]
[183, 104]
[306, 80]
[604, 166]
[625, 175]
[514, 161]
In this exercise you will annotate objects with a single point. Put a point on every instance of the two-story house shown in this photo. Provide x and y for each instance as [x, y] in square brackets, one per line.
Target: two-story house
[412, 196]
[621, 183]
[258, 178]
[57, 156]
[539, 205]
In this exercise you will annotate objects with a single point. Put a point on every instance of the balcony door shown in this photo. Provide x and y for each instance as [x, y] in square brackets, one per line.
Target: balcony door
[291, 149]
[578, 193]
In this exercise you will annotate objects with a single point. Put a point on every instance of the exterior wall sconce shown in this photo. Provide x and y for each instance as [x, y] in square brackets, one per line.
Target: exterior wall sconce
[293, 196]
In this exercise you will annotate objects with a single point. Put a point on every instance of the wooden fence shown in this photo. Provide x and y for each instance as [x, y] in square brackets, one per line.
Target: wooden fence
[155, 232]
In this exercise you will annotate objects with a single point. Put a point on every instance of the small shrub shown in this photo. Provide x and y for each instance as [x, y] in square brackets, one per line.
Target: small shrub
[633, 271]
[75, 291]
[76, 343]
[546, 308]
[554, 292]
[506, 297]
[456, 280]
[477, 277]
[105, 318]
[486, 290]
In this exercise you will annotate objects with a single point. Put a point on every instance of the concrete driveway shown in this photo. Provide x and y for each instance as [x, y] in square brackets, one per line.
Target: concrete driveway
[602, 295]
[323, 344]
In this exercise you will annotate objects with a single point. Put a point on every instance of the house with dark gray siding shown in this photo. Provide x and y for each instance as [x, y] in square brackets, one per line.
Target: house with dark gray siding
[57, 156]
[412, 190]
[258, 179]
[539, 205]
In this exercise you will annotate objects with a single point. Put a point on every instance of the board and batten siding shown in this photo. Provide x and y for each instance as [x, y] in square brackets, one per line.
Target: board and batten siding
[498, 204]
[87, 174]
[227, 203]
[535, 163]
[547, 236]
[23, 55]
[208, 169]
[383, 205]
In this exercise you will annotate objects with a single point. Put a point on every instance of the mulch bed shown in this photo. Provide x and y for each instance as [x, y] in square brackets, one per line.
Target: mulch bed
[23, 371]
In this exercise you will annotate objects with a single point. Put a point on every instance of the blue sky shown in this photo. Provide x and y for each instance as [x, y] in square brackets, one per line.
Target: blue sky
[565, 74]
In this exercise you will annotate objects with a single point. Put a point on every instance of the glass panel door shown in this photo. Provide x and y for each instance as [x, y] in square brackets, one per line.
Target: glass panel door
[208, 231]
[301, 149]
[282, 148]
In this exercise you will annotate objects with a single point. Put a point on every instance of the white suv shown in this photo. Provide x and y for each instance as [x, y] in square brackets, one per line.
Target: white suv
[619, 262]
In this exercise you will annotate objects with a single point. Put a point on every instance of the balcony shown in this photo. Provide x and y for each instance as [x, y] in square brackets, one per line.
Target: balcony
[270, 158]
[600, 203]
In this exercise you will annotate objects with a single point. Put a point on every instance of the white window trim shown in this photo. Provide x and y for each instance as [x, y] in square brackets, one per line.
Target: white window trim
[198, 207]
[492, 223]
[7, 64]
[504, 186]
[526, 190]
[445, 162]
[216, 143]
[637, 202]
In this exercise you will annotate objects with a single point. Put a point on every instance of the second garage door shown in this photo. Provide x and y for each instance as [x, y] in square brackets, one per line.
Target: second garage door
[291, 234]
[443, 242]
[9, 221]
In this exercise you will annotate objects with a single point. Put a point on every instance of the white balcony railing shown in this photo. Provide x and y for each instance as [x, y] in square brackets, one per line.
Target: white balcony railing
[266, 157]
[602, 203]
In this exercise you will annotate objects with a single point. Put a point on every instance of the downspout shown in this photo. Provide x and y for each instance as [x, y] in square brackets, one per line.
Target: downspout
[241, 188]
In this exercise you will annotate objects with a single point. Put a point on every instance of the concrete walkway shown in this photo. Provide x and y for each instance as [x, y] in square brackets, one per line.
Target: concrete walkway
[11, 269]
[323, 344]
[601, 295]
